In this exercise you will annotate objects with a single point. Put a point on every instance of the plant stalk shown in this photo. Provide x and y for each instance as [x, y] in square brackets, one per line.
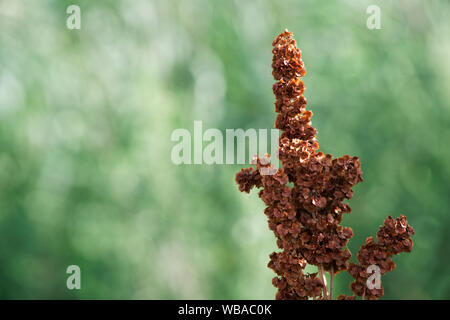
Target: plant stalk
[324, 280]
[331, 282]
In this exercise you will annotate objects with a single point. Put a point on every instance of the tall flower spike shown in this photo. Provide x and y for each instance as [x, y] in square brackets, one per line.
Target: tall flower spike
[306, 218]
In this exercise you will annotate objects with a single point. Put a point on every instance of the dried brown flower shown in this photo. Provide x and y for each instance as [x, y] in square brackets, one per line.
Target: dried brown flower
[306, 218]
[392, 238]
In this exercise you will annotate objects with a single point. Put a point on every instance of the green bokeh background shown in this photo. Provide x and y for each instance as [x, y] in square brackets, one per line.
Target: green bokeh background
[86, 117]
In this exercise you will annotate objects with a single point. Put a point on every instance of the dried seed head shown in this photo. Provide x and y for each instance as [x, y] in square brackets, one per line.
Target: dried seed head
[306, 218]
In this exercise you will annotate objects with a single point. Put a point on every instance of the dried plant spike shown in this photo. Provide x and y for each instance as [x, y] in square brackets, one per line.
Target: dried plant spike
[306, 217]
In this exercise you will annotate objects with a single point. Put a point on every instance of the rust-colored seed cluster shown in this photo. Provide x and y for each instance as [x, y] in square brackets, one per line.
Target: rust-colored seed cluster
[392, 238]
[306, 218]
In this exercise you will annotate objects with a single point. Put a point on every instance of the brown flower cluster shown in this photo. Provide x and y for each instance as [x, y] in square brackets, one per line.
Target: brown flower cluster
[392, 238]
[306, 216]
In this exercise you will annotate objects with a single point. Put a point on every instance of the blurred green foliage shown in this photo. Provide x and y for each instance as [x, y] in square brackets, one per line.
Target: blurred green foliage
[86, 118]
